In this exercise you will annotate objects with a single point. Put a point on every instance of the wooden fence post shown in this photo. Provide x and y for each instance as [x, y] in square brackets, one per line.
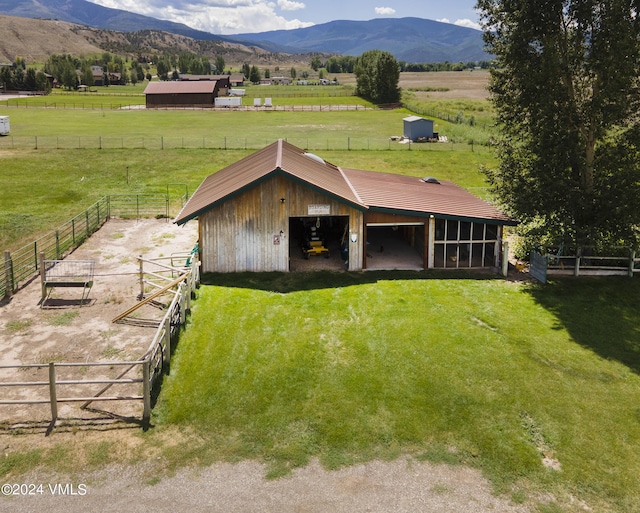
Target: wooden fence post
[632, 258]
[8, 274]
[43, 276]
[505, 259]
[182, 288]
[141, 277]
[167, 343]
[576, 271]
[52, 392]
[146, 393]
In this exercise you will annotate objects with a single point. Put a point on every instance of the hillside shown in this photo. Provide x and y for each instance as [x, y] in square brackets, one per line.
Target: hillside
[413, 40]
[35, 40]
[94, 15]
[408, 39]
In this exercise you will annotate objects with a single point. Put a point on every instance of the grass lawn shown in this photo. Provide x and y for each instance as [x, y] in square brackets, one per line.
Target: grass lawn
[449, 368]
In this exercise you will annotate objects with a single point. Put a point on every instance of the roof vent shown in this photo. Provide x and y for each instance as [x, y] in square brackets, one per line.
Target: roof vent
[430, 179]
[315, 157]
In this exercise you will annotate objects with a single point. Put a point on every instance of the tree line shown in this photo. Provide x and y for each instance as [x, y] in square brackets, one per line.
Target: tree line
[17, 77]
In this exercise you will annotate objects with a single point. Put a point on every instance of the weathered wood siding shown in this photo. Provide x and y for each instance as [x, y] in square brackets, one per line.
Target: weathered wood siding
[238, 235]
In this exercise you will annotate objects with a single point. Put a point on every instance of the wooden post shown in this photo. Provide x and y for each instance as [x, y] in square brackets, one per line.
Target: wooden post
[576, 271]
[167, 343]
[183, 314]
[632, 258]
[43, 276]
[52, 393]
[8, 274]
[146, 393]
[141, 296]
[505, 259]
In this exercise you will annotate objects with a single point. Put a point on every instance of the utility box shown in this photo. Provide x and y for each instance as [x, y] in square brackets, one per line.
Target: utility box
[228, 101]
[4, 125]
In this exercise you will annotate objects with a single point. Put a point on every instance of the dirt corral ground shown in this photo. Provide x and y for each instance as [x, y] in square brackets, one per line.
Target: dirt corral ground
[63, 330]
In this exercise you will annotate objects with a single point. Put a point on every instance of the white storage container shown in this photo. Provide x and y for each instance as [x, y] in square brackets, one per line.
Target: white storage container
[4, 125]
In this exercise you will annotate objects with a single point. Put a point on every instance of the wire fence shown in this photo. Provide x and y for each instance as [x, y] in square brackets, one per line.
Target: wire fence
[222, 142]
[22, 265]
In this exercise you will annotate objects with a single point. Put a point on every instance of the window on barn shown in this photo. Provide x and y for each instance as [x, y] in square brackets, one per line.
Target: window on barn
[463, 244]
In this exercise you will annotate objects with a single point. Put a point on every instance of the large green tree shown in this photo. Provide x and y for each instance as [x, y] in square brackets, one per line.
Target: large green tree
[567, 93]
[377, 77]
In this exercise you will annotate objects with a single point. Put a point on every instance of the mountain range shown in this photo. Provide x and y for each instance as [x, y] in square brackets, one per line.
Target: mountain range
[412, 40]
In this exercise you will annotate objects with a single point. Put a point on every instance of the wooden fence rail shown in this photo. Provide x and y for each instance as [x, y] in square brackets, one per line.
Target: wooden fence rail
[24, 263]
[148, 370]
[546, 263]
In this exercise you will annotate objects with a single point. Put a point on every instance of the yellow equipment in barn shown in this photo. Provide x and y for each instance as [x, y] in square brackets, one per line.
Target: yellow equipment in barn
[314, 244]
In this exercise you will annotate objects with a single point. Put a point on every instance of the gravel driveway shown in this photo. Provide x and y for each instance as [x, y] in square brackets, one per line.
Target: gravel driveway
[404, 485]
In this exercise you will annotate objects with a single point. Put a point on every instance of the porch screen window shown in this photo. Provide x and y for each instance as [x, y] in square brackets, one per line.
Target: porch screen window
[464, 244]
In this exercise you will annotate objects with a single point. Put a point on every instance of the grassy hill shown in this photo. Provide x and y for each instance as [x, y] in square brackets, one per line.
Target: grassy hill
[35, 40]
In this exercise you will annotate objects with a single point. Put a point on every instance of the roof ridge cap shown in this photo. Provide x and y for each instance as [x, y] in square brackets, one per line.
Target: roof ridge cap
[353, 189]
[279, 154]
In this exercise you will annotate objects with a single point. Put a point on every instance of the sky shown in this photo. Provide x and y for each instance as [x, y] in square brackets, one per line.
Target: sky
[226, 17]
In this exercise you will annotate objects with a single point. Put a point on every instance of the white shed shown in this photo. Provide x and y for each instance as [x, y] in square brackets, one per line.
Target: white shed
[416, 127]
[4, 125]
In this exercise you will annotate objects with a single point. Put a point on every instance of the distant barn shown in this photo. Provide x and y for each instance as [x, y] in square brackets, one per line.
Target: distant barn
[197, 93]
[416, 128]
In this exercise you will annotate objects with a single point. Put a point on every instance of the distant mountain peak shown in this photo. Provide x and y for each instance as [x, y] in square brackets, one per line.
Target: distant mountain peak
[412, 40]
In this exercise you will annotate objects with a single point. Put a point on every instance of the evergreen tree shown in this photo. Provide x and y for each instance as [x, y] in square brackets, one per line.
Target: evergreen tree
[254, 75]
[220, 64]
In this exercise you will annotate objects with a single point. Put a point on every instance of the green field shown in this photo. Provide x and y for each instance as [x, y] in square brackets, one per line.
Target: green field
[449, 368]
[58, 161]
[455, 368]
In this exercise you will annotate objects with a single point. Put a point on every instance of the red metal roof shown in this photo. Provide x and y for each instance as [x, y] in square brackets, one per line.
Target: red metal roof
[279, 157]
[195, 87]
[413, 195]
[362, 189]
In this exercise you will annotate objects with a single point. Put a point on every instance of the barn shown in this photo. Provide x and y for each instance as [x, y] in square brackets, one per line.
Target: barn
[416, 127]
[181, 93]
[260, 214]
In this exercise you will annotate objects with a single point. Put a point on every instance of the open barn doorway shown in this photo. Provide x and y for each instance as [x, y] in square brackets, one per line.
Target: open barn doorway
[317, 242]
[395, 246]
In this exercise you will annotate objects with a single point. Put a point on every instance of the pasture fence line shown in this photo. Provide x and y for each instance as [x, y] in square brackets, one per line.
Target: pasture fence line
[583, 261]
[141, 379]
[94, 105]
[22, 265]
[226, 142]
[458, 119]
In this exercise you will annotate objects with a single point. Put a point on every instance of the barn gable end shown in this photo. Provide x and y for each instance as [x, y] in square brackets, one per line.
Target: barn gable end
[257, 214]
